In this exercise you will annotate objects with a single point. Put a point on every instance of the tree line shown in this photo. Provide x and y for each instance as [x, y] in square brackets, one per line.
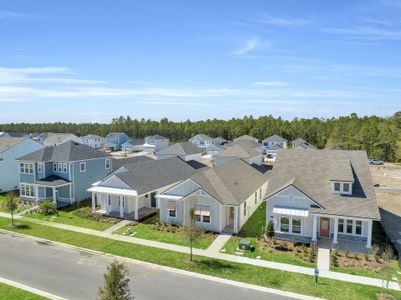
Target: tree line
[379, 136]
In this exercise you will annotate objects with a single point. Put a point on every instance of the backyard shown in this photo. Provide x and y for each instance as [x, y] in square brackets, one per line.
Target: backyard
[150, 229]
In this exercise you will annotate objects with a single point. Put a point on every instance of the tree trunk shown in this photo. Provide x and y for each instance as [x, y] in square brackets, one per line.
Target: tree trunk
[12, 218]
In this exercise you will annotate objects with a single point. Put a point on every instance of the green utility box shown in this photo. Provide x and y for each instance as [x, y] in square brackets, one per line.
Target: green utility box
[245, 245]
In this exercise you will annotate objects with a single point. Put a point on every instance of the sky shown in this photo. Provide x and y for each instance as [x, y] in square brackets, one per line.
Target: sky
[91, 61]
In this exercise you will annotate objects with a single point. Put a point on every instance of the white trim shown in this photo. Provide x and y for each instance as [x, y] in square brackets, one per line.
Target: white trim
[113, 191]
[80, 164]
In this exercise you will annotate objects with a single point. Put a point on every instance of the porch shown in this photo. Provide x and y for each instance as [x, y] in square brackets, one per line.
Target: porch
[342, 245]
[143, 213]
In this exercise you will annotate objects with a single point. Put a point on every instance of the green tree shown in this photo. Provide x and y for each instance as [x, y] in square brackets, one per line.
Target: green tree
[115, 283]
[269, 231]
[11, 205]
[192, 231]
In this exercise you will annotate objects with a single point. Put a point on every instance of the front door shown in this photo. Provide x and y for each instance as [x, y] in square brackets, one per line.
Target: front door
[231, 216]
[153, 202]
[325, 227]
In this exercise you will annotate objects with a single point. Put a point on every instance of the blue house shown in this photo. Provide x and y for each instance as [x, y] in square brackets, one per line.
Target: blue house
[62, 173]
[115, 140]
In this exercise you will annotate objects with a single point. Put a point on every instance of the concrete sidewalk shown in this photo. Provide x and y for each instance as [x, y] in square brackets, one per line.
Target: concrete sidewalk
[117, 226]
[219, 243]
[227, 257]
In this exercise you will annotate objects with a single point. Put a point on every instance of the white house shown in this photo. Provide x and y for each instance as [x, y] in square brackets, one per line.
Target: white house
[56, 139]
[318, 195]
[93, 141]
[132, 145]
[154, 143]
[186, 151]
[272, 144]
[201, 140]
[10, 149]
[214, 149]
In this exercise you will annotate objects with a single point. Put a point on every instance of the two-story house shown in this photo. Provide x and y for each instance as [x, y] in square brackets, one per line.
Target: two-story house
[201, 141]
[62, 173]
[186, 151]
[272, 144]
[93, 141]
[115, 140]
[10, 149]
[56, 139]
[155, 143]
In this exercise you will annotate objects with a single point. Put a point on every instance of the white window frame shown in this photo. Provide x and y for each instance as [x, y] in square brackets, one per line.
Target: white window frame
[256, 197]
[245, 209]
[175, 213]
[40, 167]
[82, 163]
[341, 190]
[27, 168]
[27, 190]
[54, 167]
[292, 225]
[289, 222]
[65, 168]
[355, 226]
[107, 163]
[59, 167]
[290, 218]
[201, 221]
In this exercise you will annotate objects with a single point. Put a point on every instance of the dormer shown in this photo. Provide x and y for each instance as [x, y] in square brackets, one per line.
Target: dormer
[341, 187]
[341, 177]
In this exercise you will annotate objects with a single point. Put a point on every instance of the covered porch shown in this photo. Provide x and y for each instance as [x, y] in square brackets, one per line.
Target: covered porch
[54, 188]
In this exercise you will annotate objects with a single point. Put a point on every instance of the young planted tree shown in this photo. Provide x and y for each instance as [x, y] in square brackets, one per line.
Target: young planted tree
[115, 283]
[192, 232]
[388, 255]
[269, 231]
[11, 205]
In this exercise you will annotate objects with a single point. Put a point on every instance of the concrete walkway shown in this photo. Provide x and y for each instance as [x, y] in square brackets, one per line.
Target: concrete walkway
[219, 243]
[227, 257]
[117, 226]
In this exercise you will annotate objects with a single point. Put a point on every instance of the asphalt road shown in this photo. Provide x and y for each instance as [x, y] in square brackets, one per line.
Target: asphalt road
[75, 274]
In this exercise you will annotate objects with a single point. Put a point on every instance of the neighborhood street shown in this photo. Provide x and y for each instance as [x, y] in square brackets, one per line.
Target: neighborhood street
[74, 274]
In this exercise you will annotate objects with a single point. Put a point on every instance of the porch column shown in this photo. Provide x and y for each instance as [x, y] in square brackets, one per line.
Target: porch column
[136, 208]
[314, 228]
[54, 196]
[106, 200]
[335, 240]
[369, 237]
[235, 219]
[121, 206]
[37, 193]
[93, 203]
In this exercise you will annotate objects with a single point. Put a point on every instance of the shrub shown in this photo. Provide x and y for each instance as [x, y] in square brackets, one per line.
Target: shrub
[46, 208]
[312, 253]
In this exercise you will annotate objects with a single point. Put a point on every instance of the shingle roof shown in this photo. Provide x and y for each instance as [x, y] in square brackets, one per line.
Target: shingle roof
[156, 137]
[119, 162]
[275, 138]
[135, 142]
[151, 175]
[219, 140]
[231, 183]
[245, 137]
[116, 133]
[180, 149]
[240, 150]
[311, 171]
[92, 136]
[69, 151]
[56, 138]
[203, 136]
[8, 142]
[302, 144]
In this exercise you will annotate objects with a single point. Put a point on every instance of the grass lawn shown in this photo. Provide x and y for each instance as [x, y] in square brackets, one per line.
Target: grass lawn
[251, 231]
[10, 292]
[175, 235]
[299, 283]
[20, 208]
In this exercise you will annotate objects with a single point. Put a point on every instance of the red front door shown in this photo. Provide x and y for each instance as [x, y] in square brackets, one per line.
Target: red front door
[325, 227]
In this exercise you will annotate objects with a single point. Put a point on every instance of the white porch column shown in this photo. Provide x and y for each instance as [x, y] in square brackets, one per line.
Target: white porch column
[136, 208]
[369, 237]
[235, 219]
[335, 239]
[121, 206]
[54, 196]
[106, 200]
[93, 202]
[37, 193]
[314, 228]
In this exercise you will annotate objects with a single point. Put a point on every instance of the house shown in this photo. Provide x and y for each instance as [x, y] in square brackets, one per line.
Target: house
[130, 192]
[155, 143]
[41, 137]
[219, 141]
[201, 140]
[56, 139]
[62, 173]
[223, 198]
[213, 149]
[118, 162]
[14, 134]
[10, 149]
[186, 151]
[272, 144]
[246, 138]
[115, 140]
[318, 195]
[301, 144]
[4, 134]
[93, 141]
[132, 145]
[242, 150]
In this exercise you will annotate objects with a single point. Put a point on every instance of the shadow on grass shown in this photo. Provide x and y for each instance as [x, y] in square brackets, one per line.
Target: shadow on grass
[215, 264]
[22, 226]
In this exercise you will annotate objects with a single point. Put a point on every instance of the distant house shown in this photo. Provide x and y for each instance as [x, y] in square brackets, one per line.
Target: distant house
[186, 151]
[132, 145]
[247, 138]
[115, 140]
[235, 151]
[219, 141]
[62, 173]
[56, 139]
[131, 191]
[301, 144]
[41, 137]
[93, 141]
[155, 143]
[4, 134]
[223, 198]
[201, 140]
[213, 149]
[10, 149]
[272, 144]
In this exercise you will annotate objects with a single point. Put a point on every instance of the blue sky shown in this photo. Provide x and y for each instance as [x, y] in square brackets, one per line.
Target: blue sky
[80, 62]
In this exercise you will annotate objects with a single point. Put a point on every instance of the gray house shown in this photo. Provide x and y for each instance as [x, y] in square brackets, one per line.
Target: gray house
[243, 150]
[62, 173]
[301, 144]
[115, 140]
[318, 195]
[186, 151]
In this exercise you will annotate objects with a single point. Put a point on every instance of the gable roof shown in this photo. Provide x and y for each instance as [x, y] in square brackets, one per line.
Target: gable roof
[69, 151]
[92, 136]
[180, 149]
[231, 183]
[275, 138]
[116, 134]
[202, 136]
[134, 142]
[311, 171]
[9, 142]
[119, 162]
[219, 140]
[301, 143]
[57, 138]
[245, 137]
[156, 137]
[240, 150]
[148, 176]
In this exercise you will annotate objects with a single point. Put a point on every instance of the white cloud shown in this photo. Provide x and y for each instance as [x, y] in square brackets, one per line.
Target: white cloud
[249, 46]
[365, 32]
[272, 83]
[285, 22]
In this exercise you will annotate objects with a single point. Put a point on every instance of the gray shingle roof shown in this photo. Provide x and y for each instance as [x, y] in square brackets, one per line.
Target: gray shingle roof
[310, 171]
[147, 176]
[8, 142]
[69, 151]
[180, 149]
[119, 162]
[302, 143]
[219, 140]
[202, 136]
[135, 142]
[240, 150]
[231, 183]
[245, 137]
[275, 138]
[57, 138]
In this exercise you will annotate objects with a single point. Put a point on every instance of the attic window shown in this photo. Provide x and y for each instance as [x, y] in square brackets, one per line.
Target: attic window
[337, 187]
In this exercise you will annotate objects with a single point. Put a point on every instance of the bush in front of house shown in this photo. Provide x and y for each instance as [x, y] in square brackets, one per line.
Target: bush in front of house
[46, 208]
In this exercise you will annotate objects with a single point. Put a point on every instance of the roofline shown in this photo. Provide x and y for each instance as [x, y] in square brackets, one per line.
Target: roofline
[22, 139]
[278, 191]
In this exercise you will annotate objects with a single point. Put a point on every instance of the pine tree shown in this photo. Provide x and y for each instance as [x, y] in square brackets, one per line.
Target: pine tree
[269, 230]
[115, 283]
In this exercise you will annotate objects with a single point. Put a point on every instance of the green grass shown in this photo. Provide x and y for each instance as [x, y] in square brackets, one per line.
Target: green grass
[145, 231]
[394, 269]
[299, 283]
[2, 203]
[10, 292]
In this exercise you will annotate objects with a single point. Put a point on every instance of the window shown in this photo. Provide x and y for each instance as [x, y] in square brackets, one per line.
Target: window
[245, 208]
[337, 186]
[172, 213]
[109, 200]
[107, 164]
[26, 168]
[346, 187]
[349, 226]
[59, 167]
[54, 167]
[82, 166]
[202, 214]
[27, 190]
[296, 225]
[206, 219]
[197, 218]
[340, 225]
[256, 197]
[65, 168]
[40, 167]
[284, 224]
[358, 227]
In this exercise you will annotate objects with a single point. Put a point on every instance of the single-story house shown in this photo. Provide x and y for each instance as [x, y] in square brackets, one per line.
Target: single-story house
[318, 195]
[186, 151]
[132, 145]
[154, 143]
[223, 198]
[243, 151]
[301, 144]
